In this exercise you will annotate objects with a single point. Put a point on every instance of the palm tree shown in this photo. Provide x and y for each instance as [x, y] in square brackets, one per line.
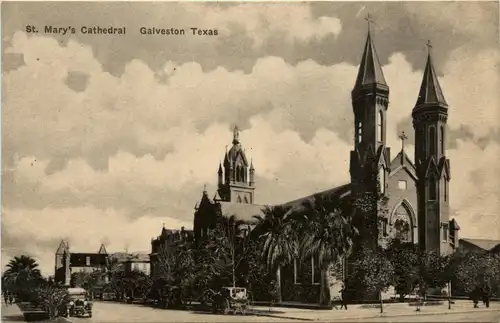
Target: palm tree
[22, 273]
[327, 235]
[280, 243]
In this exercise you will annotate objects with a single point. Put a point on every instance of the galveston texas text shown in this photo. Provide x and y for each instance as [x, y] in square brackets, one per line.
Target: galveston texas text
[99, 30]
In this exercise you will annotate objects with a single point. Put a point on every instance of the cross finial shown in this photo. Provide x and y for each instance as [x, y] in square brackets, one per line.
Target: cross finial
[429, 45]
[403, 137]
[369, 20]
[204, 188]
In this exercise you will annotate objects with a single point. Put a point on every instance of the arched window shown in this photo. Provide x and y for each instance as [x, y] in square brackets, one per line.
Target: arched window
[441, 139]
[360, 132]
[432, 189]
[445, 190]
[242, 175]
[432, 140]
[239, 199]
[246, 200]
[381, 175]
[380, 123]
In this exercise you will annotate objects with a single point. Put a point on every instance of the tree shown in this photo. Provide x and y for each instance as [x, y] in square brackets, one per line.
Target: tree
[50, 297]
[478, 271]
[280, 242]
[21, 276]
[433, 271]
[375, 271]
[327, 235]
[405, 261]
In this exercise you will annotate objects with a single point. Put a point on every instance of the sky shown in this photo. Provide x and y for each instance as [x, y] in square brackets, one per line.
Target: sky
[108, 137]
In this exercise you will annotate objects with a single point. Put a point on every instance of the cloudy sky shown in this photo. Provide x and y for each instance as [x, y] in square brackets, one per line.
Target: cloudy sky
[107, 137]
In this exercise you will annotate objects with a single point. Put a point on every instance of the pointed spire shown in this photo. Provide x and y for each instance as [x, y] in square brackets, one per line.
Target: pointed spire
[370, 70]
[251, 165]
[430, 90]
[220, 169]
[236, 135]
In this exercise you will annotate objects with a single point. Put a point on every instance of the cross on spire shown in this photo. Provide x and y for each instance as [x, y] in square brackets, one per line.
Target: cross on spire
[429, 45]
[403, 137]
[369, 20]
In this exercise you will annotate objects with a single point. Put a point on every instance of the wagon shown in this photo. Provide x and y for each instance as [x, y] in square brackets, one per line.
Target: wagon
[230, 300]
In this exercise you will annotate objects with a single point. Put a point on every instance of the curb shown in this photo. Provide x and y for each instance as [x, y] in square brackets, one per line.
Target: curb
[331, 319]
[66, 320]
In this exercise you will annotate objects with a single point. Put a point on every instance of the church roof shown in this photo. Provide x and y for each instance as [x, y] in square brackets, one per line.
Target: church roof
[402, 160]
[242, 211]
[370, 70]
[430, 90]
[484, 244]
[341, 191]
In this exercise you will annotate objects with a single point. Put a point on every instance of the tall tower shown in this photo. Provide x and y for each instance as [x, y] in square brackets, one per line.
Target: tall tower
[430, 115]
[369, 160]
[236, 182]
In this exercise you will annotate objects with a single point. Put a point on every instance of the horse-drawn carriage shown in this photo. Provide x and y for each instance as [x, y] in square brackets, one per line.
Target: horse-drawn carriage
[230, 300]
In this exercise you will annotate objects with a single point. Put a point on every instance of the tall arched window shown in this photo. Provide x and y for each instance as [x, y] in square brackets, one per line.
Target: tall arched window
[380, 123]
[360, 132]
[445, 190]
[441, 139]
[432, 140]
[381, 175]
[432, 189]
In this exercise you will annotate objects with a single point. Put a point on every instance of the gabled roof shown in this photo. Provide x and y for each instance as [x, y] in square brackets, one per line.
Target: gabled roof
[484, 244]
[430, 91]
[242, 211]
[403, 161]
[342, 191]
[370, 70]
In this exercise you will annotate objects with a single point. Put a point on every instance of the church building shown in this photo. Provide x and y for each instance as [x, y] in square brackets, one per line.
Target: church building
[415, 193]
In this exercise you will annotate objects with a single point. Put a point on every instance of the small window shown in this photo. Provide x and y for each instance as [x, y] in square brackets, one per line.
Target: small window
[382, 179]
[402, 185]
[380, 126]
[360, 131]
[239, 199]
[445, 232]
[87, 261]
[432, 190]
[432, 140]
[246, 200]
[445, 190]
[384, 227]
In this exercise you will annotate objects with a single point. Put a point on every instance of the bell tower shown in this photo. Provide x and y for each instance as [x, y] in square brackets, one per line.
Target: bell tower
[369, 160]
[236, 177]
[430, 116]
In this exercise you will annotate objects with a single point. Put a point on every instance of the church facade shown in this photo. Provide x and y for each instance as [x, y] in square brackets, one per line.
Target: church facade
[415, 194]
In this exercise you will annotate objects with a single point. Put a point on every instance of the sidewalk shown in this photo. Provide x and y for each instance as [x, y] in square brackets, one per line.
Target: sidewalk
[11, 313]
[390, 310]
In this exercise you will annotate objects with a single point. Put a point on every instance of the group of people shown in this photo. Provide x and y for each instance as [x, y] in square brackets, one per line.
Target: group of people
[8, 298]
[481, 293]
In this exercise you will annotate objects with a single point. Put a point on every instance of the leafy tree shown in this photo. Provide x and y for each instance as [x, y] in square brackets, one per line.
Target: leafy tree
[478, 272]
[433, 271]
[375, 271]
[50, 297]
[405, 260]
[280, 242]
[327, 235]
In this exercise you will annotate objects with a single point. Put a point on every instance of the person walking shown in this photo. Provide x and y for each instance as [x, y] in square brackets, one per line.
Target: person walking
[6, 298]
[343, 298]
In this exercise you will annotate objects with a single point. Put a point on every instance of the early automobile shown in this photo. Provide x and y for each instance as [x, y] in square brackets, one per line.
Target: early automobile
[78, 303]
[230, 300]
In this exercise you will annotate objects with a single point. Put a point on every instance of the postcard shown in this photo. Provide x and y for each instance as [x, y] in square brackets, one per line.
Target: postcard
[250, 161]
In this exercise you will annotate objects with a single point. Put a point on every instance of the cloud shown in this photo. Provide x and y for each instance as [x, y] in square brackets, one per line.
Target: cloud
[122, 154]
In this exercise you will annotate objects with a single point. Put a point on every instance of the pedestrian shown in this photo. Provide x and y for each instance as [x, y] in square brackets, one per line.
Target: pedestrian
[486, 295]
[6, 298]
[11, 299]
[475, 297]
[343, 298]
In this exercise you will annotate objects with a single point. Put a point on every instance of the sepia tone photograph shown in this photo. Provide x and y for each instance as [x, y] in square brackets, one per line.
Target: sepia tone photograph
[250, 161]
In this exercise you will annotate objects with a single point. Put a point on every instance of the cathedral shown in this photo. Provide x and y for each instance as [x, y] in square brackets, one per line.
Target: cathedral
[416, 193]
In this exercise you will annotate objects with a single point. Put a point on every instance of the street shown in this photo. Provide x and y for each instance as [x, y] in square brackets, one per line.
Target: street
[455, 317]
[117, 312]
